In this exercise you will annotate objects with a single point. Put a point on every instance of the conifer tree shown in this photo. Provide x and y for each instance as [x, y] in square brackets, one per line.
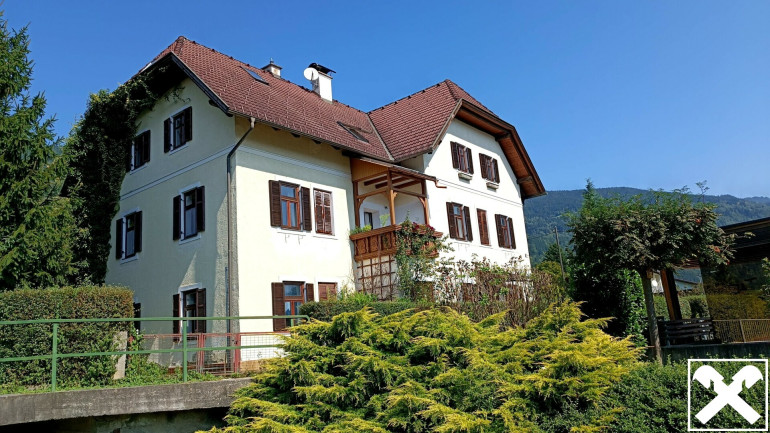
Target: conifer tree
[36, 224]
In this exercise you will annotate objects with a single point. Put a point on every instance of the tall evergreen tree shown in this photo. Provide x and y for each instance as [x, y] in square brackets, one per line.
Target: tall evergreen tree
[36, 224]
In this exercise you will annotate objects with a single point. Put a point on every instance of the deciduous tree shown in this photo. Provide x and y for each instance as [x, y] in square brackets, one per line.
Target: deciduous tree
[641, 235]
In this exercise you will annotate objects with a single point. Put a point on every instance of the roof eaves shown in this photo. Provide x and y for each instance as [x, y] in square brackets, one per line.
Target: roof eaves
[173, 58]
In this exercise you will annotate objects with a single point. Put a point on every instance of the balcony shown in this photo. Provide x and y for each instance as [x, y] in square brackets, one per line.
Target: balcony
[378, 242]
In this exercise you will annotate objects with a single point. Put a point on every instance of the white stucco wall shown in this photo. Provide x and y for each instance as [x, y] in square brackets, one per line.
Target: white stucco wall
[270, 254]
[164, 266]
[474, 193]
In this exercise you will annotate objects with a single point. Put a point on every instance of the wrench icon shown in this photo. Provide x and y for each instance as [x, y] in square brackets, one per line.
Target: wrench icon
[727, 394]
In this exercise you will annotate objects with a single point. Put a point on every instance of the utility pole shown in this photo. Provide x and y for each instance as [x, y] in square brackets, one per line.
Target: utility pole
[561, 261]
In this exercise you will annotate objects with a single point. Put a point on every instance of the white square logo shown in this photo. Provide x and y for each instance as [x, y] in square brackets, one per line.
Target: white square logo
[727, 395]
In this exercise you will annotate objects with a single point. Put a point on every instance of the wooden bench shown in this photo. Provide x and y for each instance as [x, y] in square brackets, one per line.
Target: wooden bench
[687, 331]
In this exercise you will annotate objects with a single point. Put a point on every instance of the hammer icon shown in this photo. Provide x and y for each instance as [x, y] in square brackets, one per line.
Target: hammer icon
[727, 394]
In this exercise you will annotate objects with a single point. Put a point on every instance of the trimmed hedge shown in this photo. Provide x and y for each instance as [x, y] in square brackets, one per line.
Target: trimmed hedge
[64, 303]
[326, 310]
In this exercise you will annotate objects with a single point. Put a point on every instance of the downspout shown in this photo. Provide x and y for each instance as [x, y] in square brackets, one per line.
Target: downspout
[230, 223]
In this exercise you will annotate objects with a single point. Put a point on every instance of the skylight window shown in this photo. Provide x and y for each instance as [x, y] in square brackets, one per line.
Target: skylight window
[255, 75]
[355, 132]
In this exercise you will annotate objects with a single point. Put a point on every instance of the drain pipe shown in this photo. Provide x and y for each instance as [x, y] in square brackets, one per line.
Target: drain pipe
[230, 223]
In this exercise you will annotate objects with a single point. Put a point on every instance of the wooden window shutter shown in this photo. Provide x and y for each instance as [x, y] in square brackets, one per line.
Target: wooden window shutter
[510, 232]
[497, 171]
[200, 304]
[331, 291]
[138, 232]
[327, 204]
[119, 238]
[187, 125]
[200, 208]
[131, 154]
[500, 238]
[323, 211]
[483, 228]
[146, 146]
[468, 230]
[167, 135]
[275, 203]
[278, 307]
[177, 215]
[309, 293]
[483, 162]
[307, 221]
[455, 162]
[175, 313]
[319, 203]
[451, 217]
[470, 159]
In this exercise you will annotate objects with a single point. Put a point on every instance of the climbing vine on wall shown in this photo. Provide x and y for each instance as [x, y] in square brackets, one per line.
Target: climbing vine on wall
[98, 148]
[417, 249]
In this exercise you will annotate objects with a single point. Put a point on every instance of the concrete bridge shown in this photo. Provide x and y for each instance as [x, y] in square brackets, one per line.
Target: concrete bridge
[183, 407]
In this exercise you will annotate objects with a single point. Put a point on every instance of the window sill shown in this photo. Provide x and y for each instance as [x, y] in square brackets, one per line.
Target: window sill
[465, 241]
[465, 176]
[492, 185]
[191, 239]
[139, 168]
[292, 232]
[177, 149]
[130, 259]
[324, 236]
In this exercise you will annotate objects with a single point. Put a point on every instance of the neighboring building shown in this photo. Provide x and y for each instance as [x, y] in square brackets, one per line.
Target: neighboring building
[244, 187]
[738, 289]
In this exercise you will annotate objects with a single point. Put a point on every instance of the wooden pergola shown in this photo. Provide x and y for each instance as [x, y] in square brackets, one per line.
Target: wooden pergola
[388, 180]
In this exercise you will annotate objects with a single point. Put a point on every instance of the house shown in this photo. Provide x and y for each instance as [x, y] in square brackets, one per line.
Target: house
[243, 188]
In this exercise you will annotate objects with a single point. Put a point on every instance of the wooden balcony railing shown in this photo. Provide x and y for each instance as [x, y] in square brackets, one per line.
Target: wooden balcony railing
[376, 243]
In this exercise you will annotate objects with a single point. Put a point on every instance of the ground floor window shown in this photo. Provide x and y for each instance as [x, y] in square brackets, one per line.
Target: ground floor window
[190, 303]
[288, 297]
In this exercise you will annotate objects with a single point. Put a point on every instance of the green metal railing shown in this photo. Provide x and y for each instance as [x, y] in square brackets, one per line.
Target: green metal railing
[185, 350]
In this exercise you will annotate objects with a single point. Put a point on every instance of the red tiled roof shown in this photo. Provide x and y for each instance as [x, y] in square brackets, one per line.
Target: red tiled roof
[400, 130]
[411, 125]
[279, 102]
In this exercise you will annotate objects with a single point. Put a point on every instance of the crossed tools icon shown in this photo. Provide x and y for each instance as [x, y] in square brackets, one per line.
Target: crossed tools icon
[727, 394]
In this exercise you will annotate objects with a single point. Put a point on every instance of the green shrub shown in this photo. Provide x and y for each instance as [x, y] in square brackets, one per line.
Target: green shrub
[326, 310]
[63, 303]
[433, 370]
[652, 398]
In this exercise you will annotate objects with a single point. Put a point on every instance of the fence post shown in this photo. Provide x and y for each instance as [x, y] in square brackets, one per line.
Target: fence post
[184, 350]
[54, 353]
[743, 335]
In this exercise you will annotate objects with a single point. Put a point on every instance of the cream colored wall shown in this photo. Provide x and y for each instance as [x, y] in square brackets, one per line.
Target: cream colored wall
[268, 254]
[475, 194]
[164, 265]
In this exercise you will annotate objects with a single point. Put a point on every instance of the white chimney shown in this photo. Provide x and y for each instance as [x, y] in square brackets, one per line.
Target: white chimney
[321, 80]
[272, 68]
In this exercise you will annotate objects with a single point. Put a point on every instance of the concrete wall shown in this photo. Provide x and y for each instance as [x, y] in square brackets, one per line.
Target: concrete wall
[474, 193]
[270, 254]
[165, 266]
[28, 408]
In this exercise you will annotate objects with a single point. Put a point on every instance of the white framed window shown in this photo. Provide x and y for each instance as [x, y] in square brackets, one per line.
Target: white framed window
[189, 217]
[128, 235]
[189, 302]
[140, 151]
[177, 130]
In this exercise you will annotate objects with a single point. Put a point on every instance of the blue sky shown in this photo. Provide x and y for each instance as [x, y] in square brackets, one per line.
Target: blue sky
[647, 94]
